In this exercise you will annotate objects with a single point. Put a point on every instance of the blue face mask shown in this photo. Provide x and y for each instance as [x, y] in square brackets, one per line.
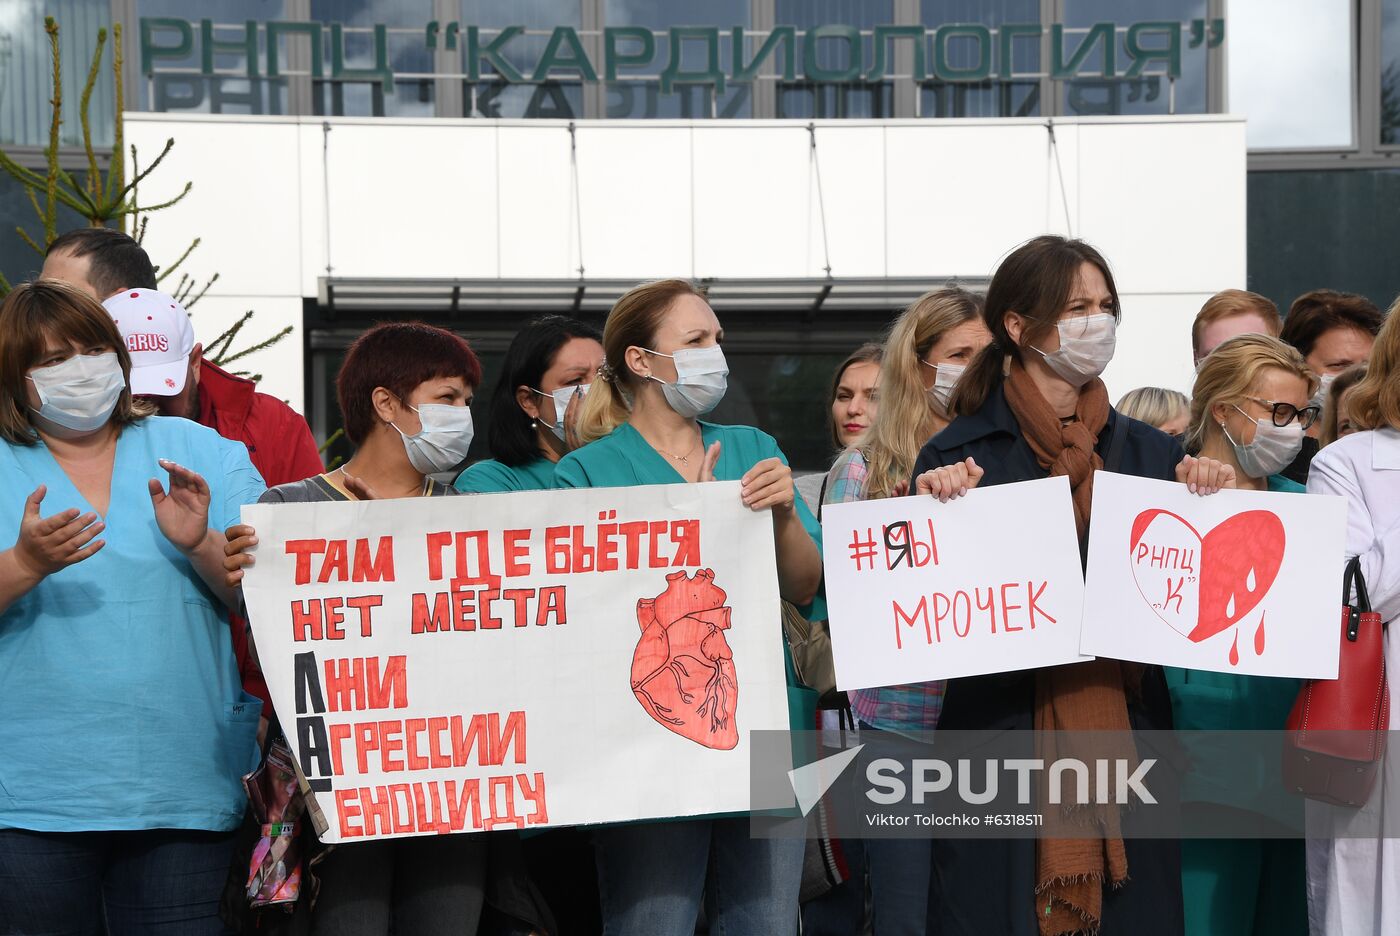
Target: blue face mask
[81, 392]
[442, 442]
[561, 398]
[701, 379]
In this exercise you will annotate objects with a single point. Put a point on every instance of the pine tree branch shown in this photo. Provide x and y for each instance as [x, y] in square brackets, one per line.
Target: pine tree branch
[116, 171]
[51, 180]
[171, 269]
[94, 177]
[262, 346]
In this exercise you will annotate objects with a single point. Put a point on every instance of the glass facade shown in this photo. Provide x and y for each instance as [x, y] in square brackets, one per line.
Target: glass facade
[1324, 230]
[26, 71]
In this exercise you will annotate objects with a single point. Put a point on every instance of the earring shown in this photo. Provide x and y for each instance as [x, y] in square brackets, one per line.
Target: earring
[534, 424]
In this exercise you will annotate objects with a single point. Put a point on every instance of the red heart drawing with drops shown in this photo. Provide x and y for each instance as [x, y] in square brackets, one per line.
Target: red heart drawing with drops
[1202, 585]
[683, 668]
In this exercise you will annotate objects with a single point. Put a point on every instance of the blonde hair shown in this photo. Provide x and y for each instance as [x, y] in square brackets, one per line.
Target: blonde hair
[1155, 406]
[633, 322]
[1231, 371]
[1332, 406]
[906, 416]
[43, 309]
[1375, 402]
[1229, 303]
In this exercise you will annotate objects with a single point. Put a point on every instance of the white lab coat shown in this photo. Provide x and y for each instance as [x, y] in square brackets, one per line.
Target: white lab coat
[1354, 883]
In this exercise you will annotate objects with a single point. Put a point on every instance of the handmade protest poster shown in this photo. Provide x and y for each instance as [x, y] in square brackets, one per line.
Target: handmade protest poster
[458, 664]
[919, 590]
[1236, 582]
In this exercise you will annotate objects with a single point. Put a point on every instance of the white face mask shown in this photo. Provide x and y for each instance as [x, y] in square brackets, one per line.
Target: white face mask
[945, 380]
[81, 392]
[442, 442]
[1086, 347]
[1272, 450]
[701, 379]
[1323, 387]
[561, 398]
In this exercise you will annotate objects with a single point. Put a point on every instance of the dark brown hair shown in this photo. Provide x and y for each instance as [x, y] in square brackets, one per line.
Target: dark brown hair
[115, 260]
[1315, 313]
[49, 309]
[398, 356]
[1035, 281]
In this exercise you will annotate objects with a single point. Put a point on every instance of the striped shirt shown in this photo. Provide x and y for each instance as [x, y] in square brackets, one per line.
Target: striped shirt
[907, 709]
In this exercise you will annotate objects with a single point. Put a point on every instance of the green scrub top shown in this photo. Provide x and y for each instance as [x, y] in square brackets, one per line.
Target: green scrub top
[1210, 701]
[493, 477]
[624, 459]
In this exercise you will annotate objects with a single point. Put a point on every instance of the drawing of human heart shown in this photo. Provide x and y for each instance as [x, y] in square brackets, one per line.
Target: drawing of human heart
[1203, 585]
[683, 669]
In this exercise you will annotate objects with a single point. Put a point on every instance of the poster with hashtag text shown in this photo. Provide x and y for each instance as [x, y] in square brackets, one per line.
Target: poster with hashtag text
[920, 590]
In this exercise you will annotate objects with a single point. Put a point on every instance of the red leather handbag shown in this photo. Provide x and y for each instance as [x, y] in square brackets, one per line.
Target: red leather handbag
[1336, 731]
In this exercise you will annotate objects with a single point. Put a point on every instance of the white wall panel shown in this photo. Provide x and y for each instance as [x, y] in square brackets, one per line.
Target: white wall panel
[637, 200]
[751, 205]
[413, 201]
[538, 226]
[959, 196]
[1166, 208]
[852, 163]
[1163, 198]
[243, 206]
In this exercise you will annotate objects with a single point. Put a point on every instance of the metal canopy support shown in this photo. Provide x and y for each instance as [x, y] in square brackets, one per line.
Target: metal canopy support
[343, 297]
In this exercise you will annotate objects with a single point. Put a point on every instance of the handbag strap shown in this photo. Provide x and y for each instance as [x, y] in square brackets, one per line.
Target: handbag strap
[1353, 579]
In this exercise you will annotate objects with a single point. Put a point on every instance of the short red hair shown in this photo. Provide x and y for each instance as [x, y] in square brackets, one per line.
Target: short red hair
[398, 356]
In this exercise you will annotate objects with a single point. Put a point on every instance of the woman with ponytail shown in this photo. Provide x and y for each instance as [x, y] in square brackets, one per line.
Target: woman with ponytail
[663, 369]
[1031, 406]
[928, 348]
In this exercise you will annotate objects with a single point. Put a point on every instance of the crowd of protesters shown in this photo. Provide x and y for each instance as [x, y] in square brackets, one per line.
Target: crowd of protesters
[134, 703]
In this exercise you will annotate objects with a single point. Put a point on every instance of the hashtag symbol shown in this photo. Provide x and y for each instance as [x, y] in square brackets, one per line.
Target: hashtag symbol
[863, 549]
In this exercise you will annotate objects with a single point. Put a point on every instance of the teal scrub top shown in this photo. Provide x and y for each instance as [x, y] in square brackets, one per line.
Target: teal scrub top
[492, 477]
[624, 459]
[1210, 701]
[124, 707]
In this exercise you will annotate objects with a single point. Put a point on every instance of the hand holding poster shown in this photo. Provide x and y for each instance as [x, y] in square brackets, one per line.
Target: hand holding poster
[553, 658]
[921, 590]
[1237, 582]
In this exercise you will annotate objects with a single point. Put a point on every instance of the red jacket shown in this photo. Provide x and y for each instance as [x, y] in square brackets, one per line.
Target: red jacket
[280, 446]
[279, 440]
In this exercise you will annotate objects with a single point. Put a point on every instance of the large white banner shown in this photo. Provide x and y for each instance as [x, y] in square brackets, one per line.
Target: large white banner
[921, 590]
[1237, 582]
[520, 660]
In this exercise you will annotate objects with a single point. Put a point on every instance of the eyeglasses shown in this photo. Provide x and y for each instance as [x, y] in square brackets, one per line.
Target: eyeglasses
[1285, 413]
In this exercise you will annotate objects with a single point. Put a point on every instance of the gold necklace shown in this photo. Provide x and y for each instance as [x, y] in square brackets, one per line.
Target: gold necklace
[683, 459]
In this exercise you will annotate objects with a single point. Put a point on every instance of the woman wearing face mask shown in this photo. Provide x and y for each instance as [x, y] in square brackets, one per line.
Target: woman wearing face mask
[928, 348]
[127, 729]
[1249, 409]
[405, 392]
[1032, 405]
[547, 370]
[663, 370]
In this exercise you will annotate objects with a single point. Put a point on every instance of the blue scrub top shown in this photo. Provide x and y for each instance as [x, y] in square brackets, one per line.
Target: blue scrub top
[121, 700]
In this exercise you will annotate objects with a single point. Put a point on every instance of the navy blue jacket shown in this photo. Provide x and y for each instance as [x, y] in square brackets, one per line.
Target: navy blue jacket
[993, 439]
